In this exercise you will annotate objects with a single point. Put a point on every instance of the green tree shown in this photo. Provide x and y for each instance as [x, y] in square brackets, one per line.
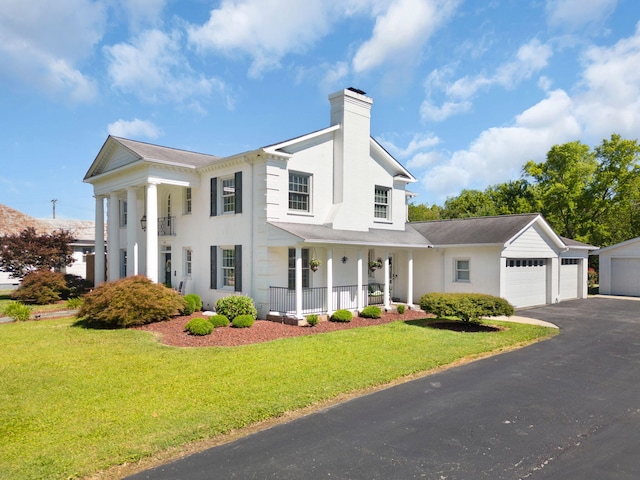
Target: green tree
[470, 203]
[25, 252]
[517, 196]
[421, 212]
[562, 184]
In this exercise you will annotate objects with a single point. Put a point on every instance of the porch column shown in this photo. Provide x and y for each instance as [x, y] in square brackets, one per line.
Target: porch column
[330, 281]
[99, 265]
[113, 240]
[410, 279]
[360, 296]
[132, 232]
[387, 302]
[152, 232]
[298, 282]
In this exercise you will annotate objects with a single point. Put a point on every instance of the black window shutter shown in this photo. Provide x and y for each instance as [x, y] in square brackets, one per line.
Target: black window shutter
[238, 196]
[237, 263]
[213, 265]
[213, 209]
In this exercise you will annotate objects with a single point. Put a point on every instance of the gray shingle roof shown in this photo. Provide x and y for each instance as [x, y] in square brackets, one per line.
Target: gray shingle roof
[152, 152]
[477, 230]
[326, 234]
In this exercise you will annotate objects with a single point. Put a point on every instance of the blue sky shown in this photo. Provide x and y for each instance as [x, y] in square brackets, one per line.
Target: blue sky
[465, 92]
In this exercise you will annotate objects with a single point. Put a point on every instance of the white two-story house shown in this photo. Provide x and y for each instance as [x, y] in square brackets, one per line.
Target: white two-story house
[259, 222]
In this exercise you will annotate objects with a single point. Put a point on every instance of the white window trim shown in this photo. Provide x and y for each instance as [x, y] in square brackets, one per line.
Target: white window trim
[123, 213]
[294, 211]
[222, 195]
[222, 268]
[188, 201]
[389, 191]
[188, 262]
[456, 270]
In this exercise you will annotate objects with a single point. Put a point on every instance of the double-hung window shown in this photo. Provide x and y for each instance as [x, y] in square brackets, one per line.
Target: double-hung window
[187, 262]
[299, 192]
[228, 195]
[462, 270]
[123, 213]
[381, 206]
[292, 268]
[187, 200]
[228, 267]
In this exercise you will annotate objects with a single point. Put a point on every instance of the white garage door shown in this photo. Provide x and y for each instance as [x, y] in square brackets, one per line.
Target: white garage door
[569, 278]
[625, 276]
[526, 282]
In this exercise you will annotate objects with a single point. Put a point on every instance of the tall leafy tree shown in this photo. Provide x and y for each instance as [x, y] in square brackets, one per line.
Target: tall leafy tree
[421, 212]
[470, 203]
[27, 251]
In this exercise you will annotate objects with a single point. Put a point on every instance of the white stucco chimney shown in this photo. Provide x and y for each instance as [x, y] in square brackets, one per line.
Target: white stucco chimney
[351, 109]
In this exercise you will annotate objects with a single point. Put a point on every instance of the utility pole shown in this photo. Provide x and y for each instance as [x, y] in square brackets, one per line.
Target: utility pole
[54, 207]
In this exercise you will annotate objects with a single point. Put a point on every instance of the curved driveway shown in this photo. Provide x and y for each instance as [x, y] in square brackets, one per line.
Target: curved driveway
[567, 408]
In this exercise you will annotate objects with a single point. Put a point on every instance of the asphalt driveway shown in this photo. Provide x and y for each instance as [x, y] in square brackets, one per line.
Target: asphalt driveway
[567, 408]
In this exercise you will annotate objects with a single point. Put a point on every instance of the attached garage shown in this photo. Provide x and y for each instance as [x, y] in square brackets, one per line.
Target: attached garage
[620, 268]
[570, 274]
[526, 281]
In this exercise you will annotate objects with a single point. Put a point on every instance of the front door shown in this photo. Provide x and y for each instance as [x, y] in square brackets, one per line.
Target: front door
[167, 269]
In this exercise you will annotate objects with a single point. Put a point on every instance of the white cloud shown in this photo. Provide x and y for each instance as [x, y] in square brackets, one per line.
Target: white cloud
[417, 143]
[41, 42]
[529, 59]
[401, 32]
[134, 128]
[143, 12]
[609, 100]
[154, 68]
[265, 30]
[570, 15]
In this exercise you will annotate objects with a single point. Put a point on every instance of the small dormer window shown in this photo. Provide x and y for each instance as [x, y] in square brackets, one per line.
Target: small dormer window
[381, 206]
[299, 192]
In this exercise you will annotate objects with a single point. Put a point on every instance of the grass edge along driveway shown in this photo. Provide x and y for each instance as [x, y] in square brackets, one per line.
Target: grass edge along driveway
[76, 402]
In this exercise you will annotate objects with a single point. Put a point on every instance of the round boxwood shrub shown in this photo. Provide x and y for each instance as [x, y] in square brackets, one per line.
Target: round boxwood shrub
[41, 287]
[194, 303]
[312, 319]
[218, 321]
[371, 311]
[134, 300]
[235, 305]
[401, 309]
[341, 316]
[242, 321]
[199, 326]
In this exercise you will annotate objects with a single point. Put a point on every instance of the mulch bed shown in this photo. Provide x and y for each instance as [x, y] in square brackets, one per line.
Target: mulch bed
[172, 331]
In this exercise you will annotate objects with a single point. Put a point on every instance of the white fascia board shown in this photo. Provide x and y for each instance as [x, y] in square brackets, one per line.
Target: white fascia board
[617, 245]
[275, 149]
[545, 227]
[392, 162]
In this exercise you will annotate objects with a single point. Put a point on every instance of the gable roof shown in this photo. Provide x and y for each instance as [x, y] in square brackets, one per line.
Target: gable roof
[475, 230]
[147, 152]
[631, 241]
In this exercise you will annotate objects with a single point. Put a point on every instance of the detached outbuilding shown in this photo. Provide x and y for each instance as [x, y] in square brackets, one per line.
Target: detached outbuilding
[620, 268]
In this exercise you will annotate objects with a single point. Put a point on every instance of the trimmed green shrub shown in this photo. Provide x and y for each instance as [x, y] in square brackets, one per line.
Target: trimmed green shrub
[372, 311]
[219, 321]
[41, 287]
[235, 305]
[73, 303]
[199, 326]
[130, 301]
[312, 319]
[193, 303]
[401, 309]
[242, 321]
[465, 306]
[18, 311]
[341, 316]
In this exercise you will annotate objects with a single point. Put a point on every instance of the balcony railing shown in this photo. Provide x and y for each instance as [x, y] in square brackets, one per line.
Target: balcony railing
[166, 226]
[314, 300]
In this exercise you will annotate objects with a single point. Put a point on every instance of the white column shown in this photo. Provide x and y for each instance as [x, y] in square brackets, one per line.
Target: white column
[387, 302]
[298, 282]
[330, 281]
[113, 240]
[360, 296]
[132, 232]
[99, 266]
[410, 279]
[152, 232]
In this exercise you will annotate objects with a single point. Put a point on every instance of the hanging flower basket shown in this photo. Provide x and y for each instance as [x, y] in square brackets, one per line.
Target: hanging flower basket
[373, 265]
[314, 263]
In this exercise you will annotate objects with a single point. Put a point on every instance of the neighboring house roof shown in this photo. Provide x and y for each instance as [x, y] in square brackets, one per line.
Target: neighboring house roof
[476, 230]
[617, 245]
[569, 242]
[12, 222]
[380, 237]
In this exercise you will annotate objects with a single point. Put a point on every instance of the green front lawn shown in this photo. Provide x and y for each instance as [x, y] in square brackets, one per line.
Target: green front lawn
[75, 401]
